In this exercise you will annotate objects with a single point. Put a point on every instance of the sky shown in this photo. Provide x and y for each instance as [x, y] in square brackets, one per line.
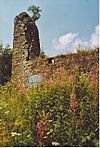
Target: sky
[63, 25]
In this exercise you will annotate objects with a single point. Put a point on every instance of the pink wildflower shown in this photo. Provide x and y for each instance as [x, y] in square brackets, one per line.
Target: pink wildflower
[41, 128]
[93, 80]
[47, 73]
[72, 78]
[73, 102]
[62, 71]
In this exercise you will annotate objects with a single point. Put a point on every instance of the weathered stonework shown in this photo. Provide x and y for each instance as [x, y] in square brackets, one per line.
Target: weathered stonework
[83, 61]
[26, 46]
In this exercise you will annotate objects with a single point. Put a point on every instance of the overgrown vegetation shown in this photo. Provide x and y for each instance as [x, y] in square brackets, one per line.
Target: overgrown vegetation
[35, 10]
[60, 111]
[42, 54]
[5, 63]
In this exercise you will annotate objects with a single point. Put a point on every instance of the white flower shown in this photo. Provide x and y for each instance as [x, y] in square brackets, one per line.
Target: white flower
[51, 130]
[1, 107]
[7, 112]
[15, 134]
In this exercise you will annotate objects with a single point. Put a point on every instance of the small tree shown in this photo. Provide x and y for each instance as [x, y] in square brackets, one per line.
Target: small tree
[42, 54]
[1, 47]
[35, 11]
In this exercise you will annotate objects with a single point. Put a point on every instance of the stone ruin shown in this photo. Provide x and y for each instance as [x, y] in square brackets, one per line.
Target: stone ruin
[26, 46]
[26, 35]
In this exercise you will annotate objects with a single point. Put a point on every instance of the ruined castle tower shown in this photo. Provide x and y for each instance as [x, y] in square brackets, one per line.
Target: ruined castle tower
[26, 46]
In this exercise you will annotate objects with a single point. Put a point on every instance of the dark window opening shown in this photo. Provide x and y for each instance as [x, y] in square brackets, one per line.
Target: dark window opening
[50, 60]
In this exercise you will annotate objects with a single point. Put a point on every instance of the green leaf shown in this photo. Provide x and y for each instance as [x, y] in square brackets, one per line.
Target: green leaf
[88, 137]
[55, 143]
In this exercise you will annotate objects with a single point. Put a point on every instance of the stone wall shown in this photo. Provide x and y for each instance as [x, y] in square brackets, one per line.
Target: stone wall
[82, 61]
[26, 46]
